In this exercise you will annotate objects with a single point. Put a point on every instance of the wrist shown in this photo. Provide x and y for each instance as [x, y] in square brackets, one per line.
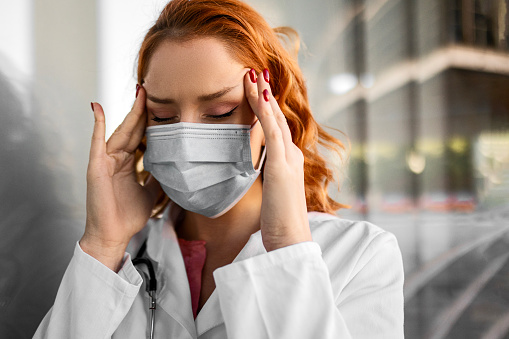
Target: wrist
[274, 243]
[110, 255]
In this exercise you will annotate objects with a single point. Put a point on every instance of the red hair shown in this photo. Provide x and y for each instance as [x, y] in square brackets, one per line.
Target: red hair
[253, 43]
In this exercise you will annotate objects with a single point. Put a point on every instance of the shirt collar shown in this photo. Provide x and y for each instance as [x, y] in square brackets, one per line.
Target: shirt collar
[174, 295]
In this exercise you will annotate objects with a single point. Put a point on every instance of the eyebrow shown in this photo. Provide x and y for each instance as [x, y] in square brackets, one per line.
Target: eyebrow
[206, 97]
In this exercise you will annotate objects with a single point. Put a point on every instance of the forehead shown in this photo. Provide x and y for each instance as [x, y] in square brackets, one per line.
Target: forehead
[199, 66]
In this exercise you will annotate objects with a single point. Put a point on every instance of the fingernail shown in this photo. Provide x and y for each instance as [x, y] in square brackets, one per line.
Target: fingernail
[266, 95]
[266, 75]
[137, 89]
[252, 75]
[92, 105]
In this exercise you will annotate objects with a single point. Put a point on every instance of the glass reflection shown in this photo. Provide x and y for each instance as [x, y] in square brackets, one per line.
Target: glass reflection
[429, 157]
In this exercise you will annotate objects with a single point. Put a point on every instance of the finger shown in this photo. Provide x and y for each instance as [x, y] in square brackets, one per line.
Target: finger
[281, 122]
[139, 129]
[290, 148]
[137, 135]
[98, 146]
[277, 114]
[264, 113]
[292, 151]
[121, 138]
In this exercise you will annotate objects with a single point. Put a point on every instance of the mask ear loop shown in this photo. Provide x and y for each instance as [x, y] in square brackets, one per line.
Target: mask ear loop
[253, 124]
[262, 160]
[262, 156]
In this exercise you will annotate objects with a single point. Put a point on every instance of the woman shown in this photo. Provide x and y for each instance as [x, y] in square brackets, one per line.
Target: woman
[236, 254]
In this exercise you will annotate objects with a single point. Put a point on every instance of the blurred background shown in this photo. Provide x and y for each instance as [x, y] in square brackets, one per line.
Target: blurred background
[420, 89]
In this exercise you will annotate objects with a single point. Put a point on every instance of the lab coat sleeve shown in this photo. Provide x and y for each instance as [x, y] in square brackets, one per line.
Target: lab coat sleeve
[372, 300]
[92, 300]
[287, 293]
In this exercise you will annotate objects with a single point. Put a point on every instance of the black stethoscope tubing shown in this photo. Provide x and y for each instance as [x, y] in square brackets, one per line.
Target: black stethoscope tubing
[150, 283]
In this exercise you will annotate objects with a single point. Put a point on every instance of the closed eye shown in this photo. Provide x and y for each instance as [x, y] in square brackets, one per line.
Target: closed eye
[213, 116]
[157, 119]
[225, 115]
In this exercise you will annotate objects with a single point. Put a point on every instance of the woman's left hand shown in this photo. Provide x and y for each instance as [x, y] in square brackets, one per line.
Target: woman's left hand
[283, 219]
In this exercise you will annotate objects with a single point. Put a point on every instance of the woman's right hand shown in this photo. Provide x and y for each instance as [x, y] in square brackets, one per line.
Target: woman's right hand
[117, 206]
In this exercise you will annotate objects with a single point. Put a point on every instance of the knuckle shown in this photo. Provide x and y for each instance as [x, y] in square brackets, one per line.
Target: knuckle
[252, 92]
[121, 131]
[275, 133]
[281, 117]
[267, 114]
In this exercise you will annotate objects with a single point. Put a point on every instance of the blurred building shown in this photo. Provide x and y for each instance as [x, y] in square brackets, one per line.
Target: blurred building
[421, 87]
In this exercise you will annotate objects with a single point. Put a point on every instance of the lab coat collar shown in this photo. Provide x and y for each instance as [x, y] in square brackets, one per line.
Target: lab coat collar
[174, 296]
[210, 315]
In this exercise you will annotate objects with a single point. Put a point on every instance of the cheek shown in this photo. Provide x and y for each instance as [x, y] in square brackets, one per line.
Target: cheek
[150, 122]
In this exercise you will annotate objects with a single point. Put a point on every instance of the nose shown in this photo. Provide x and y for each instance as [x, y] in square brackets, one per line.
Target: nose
[190, 115]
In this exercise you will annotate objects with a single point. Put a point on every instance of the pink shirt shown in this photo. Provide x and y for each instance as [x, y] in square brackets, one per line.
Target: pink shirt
[194, 254]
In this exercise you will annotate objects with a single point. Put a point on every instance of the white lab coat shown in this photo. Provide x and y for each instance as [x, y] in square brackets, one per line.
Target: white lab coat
[346, 283]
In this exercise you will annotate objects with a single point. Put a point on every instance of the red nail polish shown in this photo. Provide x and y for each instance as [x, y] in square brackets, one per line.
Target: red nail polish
[266, 95]
[252, 75]
[266, 75]
[137, 89]
[92, 105]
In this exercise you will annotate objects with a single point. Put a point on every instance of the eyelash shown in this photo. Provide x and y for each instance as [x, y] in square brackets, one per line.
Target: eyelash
[225, 115]
[157, 119]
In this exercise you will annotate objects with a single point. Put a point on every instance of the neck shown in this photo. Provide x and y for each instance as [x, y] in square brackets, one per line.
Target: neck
[232, 230]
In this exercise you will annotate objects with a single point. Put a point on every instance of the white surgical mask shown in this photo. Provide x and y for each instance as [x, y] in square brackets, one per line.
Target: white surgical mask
[204, 168]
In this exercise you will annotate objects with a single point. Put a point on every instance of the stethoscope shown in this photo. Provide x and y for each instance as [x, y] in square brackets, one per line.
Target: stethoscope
[151, 285]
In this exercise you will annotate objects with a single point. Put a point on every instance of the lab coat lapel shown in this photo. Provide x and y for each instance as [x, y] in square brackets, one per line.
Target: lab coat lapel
[174, 296]
[210, 315]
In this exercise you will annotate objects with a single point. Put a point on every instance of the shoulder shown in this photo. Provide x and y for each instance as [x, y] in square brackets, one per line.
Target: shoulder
[349, 247]
[330, 231]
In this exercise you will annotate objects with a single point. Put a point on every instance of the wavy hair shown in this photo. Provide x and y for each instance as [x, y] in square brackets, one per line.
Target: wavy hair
[253, 43]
